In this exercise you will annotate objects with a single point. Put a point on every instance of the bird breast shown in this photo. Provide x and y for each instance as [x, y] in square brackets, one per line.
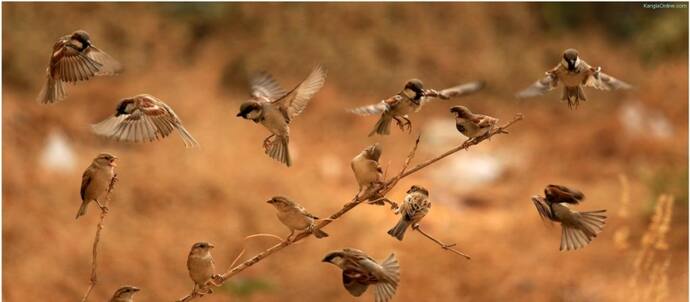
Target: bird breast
[201, 268]
[294, 219]
[365, 170]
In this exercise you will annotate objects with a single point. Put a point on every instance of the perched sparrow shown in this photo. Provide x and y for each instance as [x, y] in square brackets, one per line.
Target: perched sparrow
[413, 209]
[360, 271]
[295, 217]
[274, 108]
[96, 180]
[575, 74]
[124, 294]
[367, 169]
[472, 125]
[201, 266]
[578, 227]
[143, 118]
[409, 100]
[74, 59]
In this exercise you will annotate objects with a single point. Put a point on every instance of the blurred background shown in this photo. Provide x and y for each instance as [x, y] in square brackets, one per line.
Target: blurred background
[627, 151]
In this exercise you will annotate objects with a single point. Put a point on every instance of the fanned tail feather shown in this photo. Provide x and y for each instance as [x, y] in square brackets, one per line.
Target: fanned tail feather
[187, 137]
[278, 150]
[385, 289]
[588, 227]
[53, 91]
[382, 127]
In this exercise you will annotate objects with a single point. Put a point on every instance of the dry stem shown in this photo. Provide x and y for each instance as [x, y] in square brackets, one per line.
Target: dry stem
[371, 194]
[97, 238]
[448, 247]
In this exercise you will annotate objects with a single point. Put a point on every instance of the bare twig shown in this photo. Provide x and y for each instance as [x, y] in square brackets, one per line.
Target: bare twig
[374, 193]
[448, 247]
[97, 238]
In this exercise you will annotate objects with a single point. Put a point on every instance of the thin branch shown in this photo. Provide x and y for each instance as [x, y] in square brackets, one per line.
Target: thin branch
[448, 247]
[97, 239]
[375, 193]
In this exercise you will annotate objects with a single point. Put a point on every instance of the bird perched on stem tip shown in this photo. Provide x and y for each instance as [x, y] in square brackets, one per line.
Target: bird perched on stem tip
[96, 181]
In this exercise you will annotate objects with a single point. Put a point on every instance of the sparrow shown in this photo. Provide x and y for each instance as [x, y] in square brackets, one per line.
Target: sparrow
[274, 108]
[360, 271]
[409, 100]
[415, 206]
[574, 73]
[96, 181]
[143, 118]
[295, 217]
[124, 294]
[201, 266]
[578, 228]
[74, 59]
[366, 167]
[472, 125]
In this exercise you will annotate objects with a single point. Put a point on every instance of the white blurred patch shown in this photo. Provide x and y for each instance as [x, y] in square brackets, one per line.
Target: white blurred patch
[330, 166]
[57, 154]
[639, 120]
[441, 132]
[465, 170]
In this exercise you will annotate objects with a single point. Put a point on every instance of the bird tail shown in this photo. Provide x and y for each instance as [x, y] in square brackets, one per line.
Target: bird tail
[573, 95]
[53, 91]
[382, 127]
[187, 137]
[587, 226]
[82, 210]
[278, 150]
[319, 233]
[398, 231]
[385, 289]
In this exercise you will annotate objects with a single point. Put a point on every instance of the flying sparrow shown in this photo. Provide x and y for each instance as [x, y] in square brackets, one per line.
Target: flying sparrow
[360, 271]
[413, 209]
[578, 228]
[409, 100]
[74, 58]
[143, 118]
[472, 125]
[201, 266]
[96, 181]
[274, 108]
[367, 170]
[295, 217]
[124, 294]
[575, 73]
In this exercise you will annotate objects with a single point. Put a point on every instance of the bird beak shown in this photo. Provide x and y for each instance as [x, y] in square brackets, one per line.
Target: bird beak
[113, 163]
[136, 289]
[239, 114]
[210, 245]
[269, 201]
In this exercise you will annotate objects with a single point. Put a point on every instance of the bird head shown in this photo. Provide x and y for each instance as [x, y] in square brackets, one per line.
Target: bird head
[125, 292]
[250, 110]
[373, 152]
[415, 88]
[335, 257]
[201, 248]
[571, 60]
[418, 189]
[105, 159]
[461, 111]
[83, 37]
[280, 202]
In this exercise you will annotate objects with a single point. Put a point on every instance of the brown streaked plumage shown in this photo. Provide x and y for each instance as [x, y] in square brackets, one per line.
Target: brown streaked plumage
[274, 108]
[472, 125]
[295, 217]
[360, 271]
[366, 167]
[143, 118]
[124, 294]
[409, 100]
[578, 228]
[201, 266]
[74, 59]
[415, 206]
[575, 74]
[96, 180]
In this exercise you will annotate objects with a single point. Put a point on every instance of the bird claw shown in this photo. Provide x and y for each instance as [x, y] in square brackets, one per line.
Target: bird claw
[267, 141]
[405, 126]
[447, 246]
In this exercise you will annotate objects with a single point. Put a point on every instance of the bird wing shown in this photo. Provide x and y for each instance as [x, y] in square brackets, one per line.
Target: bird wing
[542, 207]
[602, 81]
[457, 91]
[541, 86]
[294, 102]
[85, 181]
[264, 86]
[565, 194]
[351, 281]
[304, 212]
[150, 120]
[378, 108]
[109, 66]
[71, 65]
[484, 121]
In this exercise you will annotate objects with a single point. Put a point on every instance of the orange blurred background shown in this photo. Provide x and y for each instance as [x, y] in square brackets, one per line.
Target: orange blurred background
[197, 57]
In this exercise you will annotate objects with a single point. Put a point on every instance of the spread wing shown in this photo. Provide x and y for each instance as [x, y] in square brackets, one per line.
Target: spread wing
[541, 86]
[542, 207]
[85, 181]
[151, 120]
[602, 81]
[71, 65]
[264, 86]
[294, 102]
[109, 66]
[378, 108]
[456, 91]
